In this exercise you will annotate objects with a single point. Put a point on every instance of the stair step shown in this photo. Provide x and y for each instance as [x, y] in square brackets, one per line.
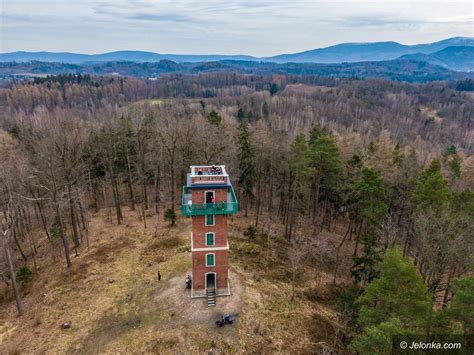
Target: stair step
[211, 298]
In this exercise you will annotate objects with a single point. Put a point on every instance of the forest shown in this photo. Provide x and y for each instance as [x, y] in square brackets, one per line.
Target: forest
[366, 187]
[404, 69]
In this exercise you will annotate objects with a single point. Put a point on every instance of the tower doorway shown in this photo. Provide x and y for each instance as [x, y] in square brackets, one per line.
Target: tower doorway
[209, 196]
[210, 280]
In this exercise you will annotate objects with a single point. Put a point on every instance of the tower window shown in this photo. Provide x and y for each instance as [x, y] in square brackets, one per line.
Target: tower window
[210, 239]
[210, 260]
[210, 220]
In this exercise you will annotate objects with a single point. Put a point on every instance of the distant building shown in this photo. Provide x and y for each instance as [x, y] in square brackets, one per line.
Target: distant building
[209, 198]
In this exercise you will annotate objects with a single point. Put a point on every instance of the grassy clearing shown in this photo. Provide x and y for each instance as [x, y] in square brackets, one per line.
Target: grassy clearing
[116, 305]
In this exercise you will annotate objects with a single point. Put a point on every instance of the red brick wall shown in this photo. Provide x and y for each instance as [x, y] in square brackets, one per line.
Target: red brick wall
[219, 229]
[199, 241]
[200, 269]
[219, 193]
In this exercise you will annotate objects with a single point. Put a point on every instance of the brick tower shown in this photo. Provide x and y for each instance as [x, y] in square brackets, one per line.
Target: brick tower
[208, 198]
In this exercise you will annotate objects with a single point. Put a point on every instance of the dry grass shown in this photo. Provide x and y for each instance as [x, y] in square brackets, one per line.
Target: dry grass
[112, 297]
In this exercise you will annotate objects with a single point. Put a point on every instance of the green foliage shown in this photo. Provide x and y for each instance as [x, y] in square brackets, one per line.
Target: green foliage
[246, 159]
[265, 110]
[455, 165]
[463, 202]
[241, 114]
[462, 305]
[24, 275]
[399, 292]
[397, 156]
[170, 216]
[364, 268]
[348, 307]
[214, 118]
[325, 159]
[63, 79]
[273, 88]
[432, 188]
[301, 170]
[451, 150]
[355, 161]
[367, 195]
[377, 339]
[250, 232]
[373, 147]
[465, 85]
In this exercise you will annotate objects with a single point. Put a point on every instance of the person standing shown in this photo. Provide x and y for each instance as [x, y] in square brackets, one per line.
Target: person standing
[159, 276]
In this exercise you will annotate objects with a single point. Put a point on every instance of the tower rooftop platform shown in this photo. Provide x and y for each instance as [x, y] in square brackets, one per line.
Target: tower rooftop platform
[207, 175]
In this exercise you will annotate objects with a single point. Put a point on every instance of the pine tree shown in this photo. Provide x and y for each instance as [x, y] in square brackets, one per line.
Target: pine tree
[301, 173]
[367, 196]
[462, 305]
[265, 110]
[432, 188]
[377, 340]
[399, 292]
[273, 88]
[246, 162]
[326, 162]
[214, 118]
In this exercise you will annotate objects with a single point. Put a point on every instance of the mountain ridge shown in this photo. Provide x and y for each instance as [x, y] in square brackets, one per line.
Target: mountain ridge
[453, 57]
[339, 53]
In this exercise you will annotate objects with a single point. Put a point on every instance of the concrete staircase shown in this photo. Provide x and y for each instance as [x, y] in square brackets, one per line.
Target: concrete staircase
[211, 297]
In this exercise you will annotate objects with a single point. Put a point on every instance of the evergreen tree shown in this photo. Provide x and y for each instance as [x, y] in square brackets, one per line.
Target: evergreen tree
[367, 196]
[240, 114]
[326, 162]
[432, 188]
[246, 162]
[301, 173]
[462, 305]
[265, 110]
[301, 170]
[273, 88]
[397, 156]
[214, 118]
[377, 339]
[399, 292]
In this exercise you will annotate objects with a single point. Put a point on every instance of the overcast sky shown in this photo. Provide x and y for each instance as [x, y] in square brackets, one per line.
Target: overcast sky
[255, 27]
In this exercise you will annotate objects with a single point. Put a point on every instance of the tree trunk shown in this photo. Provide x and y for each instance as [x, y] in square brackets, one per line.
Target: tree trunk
[173, 183]
[8, 258]
[63, 235]
[14, 232]
[116, 193]
[130, 180]
[72, 213]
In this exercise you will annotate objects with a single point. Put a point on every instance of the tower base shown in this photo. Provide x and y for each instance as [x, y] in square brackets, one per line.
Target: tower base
[219, 292]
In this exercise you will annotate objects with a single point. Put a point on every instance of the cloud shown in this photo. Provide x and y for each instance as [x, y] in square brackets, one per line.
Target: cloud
[158, 17]
[257, 27]
[378, 21]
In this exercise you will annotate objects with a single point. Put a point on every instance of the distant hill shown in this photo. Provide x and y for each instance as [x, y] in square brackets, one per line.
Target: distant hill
[128, 56]
[341, 53]
[377, 51]
[455, 57]
[399, 69]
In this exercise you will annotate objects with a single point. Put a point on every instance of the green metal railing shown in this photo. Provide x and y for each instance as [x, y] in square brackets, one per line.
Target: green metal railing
[204, 209]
